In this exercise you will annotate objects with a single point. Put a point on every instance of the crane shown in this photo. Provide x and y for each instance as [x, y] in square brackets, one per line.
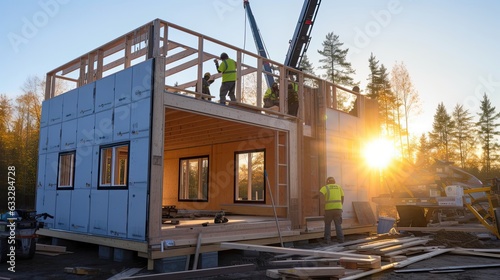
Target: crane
[299, 42]
[259, 43]
[302, 35]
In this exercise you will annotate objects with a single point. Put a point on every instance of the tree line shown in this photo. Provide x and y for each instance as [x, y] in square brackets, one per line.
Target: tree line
[470, 140]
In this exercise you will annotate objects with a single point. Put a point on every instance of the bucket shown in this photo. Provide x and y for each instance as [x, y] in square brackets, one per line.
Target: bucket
[385, 224]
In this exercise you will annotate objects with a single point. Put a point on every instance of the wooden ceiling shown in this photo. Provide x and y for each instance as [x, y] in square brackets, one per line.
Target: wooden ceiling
[185, 130]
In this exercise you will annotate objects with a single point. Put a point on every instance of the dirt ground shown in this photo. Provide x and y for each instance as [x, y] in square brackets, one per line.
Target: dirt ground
[52, 267]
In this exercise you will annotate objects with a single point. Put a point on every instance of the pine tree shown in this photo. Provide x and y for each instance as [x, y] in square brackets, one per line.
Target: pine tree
[488, 130]
[423, 154]
[441, 134]
[306, 66]
[374, 78]
[463, 134]
[338, 70]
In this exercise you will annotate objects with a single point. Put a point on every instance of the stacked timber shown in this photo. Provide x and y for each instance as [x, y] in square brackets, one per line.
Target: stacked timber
[359, 258]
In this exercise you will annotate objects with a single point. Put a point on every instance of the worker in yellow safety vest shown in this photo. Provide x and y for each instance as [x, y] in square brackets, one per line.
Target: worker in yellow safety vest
[334, 199]
[272, 96]
[228, 70]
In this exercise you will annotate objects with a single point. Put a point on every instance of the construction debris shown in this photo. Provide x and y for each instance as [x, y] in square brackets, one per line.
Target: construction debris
[360, 258]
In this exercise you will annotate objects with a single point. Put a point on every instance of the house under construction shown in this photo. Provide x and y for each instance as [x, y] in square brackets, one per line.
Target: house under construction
[135, 159]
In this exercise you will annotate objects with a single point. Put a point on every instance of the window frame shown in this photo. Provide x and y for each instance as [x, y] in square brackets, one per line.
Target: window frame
[72, 169]
[235, 189]
[200, 188]
[114, 161]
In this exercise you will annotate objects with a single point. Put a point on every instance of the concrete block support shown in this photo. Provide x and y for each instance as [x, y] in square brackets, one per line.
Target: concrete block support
[106, 252]
[170, 264]
[121, 255]
[208, 260]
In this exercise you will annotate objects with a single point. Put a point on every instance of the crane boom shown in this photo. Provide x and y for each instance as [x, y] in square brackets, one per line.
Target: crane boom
[259, 43]
[301, 36]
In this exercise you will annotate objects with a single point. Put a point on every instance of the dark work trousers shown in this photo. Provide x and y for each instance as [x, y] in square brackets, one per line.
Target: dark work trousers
[334, 215]
[227, 88]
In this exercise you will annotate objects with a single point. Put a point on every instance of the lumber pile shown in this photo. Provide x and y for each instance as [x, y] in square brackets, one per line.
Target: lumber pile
[360, 258]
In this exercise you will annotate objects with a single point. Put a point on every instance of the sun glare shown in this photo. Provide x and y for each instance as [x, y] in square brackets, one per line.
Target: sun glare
[378, 153]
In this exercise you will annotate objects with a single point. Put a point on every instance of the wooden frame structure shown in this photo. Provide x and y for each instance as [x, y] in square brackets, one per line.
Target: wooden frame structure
[171, 61]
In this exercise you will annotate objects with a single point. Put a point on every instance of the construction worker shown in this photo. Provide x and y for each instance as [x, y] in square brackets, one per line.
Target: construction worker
[205, 85]
[334, 199]
[228, 70]
[272, 96]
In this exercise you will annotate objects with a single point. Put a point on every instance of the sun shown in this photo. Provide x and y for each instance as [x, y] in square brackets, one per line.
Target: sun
[378, 153]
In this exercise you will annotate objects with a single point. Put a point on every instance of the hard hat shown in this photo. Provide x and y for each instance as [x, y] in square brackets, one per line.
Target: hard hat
[224, 56]
[330, 180]
[207, 74]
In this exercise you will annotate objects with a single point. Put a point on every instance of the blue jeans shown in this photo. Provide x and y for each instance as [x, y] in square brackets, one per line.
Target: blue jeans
[334, 215]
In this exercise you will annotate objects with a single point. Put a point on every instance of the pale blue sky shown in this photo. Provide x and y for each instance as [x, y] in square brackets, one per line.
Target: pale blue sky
[450, 47]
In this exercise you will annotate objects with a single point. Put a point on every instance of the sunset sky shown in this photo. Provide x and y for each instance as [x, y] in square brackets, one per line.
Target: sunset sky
[449, 47]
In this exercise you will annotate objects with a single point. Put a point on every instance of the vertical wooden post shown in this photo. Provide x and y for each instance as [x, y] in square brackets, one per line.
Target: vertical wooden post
[100, 61]
[238, 75]
[259, 81]
[90, 68]
[82, 78]
[165, 40]
[128, 52]
[48, 84]
[282, 89]
[157, 149]
[199, 75]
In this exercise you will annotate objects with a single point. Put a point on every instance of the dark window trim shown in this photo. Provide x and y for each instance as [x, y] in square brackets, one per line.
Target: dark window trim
[235, 186]
[179, 180]
[113, 187]
[59, 168]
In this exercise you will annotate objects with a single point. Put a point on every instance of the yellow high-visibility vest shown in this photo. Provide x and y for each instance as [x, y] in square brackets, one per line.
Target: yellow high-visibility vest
[228, 70]
[333, 196]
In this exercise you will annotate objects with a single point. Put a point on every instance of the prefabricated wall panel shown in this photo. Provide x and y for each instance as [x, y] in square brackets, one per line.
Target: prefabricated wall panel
[70, 108]
[112, 110]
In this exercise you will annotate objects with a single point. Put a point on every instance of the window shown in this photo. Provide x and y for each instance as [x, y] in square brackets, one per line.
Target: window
[193, 179]
[113, 166]
[66, 171]
[249, 170]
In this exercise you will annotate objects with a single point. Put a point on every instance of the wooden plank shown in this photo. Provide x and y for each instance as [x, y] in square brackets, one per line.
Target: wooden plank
[369, 272]
[125, 273]
[473, 253]
[364, 212]
[279, 250]
[355, 263]
[217, 237]
[199, 273]
[428, 269]
[422, 257]
[383, 251]
[106, 241]
[50, 248]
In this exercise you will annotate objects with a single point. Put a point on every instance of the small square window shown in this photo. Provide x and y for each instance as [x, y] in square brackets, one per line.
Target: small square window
[113, 166]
